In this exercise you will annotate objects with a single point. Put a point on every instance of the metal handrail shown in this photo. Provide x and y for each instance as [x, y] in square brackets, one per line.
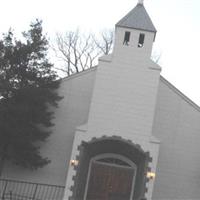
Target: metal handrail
[22, 190]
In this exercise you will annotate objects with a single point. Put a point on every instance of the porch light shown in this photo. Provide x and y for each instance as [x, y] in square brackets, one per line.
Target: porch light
[73, 162]
[151, 175]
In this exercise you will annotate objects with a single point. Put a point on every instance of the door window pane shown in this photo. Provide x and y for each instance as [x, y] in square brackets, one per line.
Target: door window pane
[109, 182]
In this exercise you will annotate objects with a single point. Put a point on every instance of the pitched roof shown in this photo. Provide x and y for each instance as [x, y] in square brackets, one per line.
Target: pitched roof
[137, 18]
[162, 79]
[178, 92]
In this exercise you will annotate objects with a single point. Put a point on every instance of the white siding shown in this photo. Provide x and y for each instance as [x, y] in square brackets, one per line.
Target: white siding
[177, 126]
[124, 99]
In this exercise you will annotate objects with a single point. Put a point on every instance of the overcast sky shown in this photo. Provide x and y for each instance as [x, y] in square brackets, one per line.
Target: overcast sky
[177, 23]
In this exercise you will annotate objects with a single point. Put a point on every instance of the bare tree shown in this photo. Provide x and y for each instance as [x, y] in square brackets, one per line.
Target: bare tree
[105, 42]
[156, 55]
[79, 52]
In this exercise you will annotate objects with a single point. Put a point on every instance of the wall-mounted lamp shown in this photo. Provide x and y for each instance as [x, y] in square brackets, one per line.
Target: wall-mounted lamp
[74, 162]
[151, 175]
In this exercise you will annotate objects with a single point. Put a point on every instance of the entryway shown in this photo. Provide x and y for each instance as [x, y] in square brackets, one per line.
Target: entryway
[110, 179]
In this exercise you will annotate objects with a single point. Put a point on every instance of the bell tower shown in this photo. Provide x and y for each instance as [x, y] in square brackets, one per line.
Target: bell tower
[127, 80]
[134, 34]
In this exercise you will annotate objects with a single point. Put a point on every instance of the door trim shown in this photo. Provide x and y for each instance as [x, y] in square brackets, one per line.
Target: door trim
[112, 155]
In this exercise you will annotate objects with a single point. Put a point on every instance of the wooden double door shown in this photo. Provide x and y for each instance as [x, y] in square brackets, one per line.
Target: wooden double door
[110, 182]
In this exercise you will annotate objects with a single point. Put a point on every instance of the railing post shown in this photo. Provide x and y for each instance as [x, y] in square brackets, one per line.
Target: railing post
[34, 194]
[10, 195]
[4, 190]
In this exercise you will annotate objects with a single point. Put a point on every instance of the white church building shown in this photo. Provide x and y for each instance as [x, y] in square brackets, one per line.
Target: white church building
[122, 131]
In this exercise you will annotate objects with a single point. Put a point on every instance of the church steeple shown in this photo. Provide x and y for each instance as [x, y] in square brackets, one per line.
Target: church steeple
[140, 1]
[137, 18]
[135, 34]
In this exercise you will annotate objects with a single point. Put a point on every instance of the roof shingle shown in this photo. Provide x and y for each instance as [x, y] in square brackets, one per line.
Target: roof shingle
[137, 18]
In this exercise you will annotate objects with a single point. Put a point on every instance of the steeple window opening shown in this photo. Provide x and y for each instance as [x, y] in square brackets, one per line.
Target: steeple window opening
[126, 38]
[141, 40]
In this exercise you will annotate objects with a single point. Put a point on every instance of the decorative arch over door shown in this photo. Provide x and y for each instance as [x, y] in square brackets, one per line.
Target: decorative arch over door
[110, 157]
[110, 177]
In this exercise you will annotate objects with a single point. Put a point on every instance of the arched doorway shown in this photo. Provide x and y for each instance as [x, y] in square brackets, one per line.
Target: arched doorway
[114, 163]
[110, 177]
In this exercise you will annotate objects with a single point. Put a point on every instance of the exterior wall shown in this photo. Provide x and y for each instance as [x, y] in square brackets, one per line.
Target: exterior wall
[125, 95]
[72, 112]
[82, 136]
[177, 126]
[123, 101]
[132, 52]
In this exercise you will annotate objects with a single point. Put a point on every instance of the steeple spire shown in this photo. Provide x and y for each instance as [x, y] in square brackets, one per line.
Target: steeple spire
[137, 18]
[140, 1]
